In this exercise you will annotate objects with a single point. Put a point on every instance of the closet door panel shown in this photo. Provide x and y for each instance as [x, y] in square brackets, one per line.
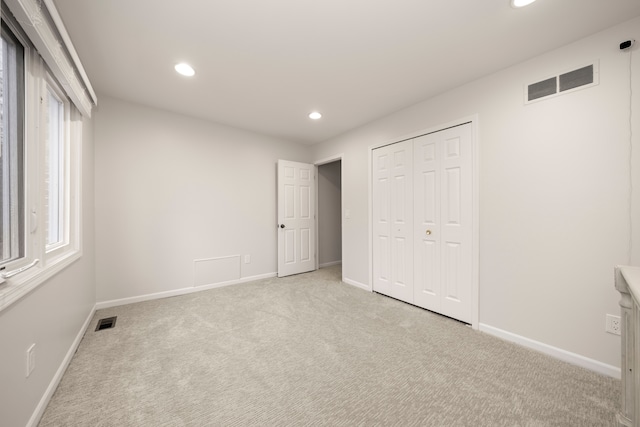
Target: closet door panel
[457, 226]
[381, 222]
[393, 221]
[427, 196]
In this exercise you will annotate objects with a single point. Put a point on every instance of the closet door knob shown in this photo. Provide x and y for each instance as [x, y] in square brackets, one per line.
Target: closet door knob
[428, 232]
[281, 225]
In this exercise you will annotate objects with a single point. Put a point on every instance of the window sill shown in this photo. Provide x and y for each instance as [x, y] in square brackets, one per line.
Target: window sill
[20, 285]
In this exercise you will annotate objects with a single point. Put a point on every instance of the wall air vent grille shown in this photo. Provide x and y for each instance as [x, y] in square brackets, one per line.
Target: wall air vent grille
[570, 81]
[542, 89]
[573, 79]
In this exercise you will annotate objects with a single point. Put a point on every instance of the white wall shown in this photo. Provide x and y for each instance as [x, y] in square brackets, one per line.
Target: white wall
[51, 316]
[554, 192]
[329, 213]
[172, 189]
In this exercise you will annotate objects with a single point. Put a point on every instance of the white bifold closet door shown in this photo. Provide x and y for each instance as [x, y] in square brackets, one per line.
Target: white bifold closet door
[430, 194]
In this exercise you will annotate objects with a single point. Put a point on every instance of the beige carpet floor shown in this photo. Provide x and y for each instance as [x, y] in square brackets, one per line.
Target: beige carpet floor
[310, 350]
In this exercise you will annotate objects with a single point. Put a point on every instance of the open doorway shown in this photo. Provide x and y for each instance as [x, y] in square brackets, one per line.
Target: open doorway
[329, 210]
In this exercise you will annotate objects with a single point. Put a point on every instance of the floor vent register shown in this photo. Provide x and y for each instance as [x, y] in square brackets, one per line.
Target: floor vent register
[106, 323]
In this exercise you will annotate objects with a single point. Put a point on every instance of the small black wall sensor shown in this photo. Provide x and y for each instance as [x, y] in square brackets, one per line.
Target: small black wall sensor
[627, 44]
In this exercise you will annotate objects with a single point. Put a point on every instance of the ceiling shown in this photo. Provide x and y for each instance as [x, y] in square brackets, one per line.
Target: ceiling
[264, 65]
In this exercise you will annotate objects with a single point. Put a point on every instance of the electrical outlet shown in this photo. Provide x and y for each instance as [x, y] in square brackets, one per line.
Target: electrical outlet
[31, 359]
[247, 259]
[613, 325]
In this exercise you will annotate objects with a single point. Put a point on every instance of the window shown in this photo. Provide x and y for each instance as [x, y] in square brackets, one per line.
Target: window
[12, 96]
[40, 157]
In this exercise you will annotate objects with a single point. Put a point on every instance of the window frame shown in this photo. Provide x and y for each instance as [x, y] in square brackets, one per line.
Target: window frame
[51, 87]
[40, 261]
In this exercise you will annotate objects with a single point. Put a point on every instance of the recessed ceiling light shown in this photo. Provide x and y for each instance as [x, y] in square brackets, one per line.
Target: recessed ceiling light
[521, 3]
[315, 115]
[185, 69]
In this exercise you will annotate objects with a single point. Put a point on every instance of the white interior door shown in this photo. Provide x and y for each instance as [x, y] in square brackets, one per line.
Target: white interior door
[296, 218]
[443, 233]
[393, 221]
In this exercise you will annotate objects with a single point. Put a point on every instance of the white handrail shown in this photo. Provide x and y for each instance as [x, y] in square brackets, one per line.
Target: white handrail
[12, 273]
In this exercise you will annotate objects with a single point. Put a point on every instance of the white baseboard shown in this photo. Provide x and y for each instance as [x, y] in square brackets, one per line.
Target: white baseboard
[176, 292]
[48, 394]
[329, 264]
[356, 284]
[558, 353]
